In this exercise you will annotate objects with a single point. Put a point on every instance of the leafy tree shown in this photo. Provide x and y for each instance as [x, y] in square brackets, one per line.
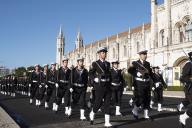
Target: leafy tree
[20, 71]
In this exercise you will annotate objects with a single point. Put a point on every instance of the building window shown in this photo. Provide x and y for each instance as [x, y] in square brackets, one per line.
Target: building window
[188, 31]
[138, 47]
[162, 38]
[181, 35]
[125, 50]
[113, 52]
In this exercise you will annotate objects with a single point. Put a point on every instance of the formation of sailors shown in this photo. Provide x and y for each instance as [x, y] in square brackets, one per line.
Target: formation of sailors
[104, 80]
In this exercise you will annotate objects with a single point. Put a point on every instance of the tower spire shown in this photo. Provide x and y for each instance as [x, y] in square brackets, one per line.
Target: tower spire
[79, 40]
[60, 32]
[60, 45]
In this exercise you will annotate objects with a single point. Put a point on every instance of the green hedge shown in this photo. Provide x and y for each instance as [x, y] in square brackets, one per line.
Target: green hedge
[128, 79]
[175, 88]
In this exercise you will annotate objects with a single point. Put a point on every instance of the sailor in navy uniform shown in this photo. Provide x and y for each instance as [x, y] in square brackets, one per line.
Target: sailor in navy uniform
[186, 79]
[117, 86]
[101, 76]
[158, 86]
[51, 86]
[142, 74]
[41, 88]
[64, 85]
[78, 82]
[34, 82]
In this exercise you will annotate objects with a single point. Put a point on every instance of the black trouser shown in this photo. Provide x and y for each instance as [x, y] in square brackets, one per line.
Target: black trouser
[142, 94]
[102, 91]
[40, 92]
[189, 107]
[4, 88]
[79, 96]
[8, 88]
[63, 91]
[92, 97]
[117, 92]
[50, 90]
[20, 88]
[186, 101]
[158, 95]
[33, 89]
[26, 88]
[188, 94]
[13, 88]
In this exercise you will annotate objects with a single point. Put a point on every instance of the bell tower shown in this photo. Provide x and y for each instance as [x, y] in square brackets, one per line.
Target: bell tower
[60, 47]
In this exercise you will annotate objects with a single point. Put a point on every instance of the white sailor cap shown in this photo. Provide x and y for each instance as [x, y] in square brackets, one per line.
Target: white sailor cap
[115, 61]
[80, 58]
[53, 63]
[143, 51]
[36, 65]
[45, 65]
[102, 49]
[65, 58]
[156, 67]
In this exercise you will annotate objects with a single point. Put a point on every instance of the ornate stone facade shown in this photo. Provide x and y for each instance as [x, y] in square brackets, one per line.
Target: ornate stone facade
[168, 34]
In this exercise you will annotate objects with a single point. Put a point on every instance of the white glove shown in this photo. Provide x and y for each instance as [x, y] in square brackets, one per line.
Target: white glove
[46, 86]
[40, 86]
[71, 90]
[91, 88]
[125, 89]
[29, 85]
[153, 88]
[56, 85]
[132, 88]
[139, 74]
[157, 85]
[96, 80]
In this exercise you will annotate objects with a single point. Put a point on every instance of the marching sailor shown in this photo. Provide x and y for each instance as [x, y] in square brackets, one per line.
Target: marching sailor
[101, 76]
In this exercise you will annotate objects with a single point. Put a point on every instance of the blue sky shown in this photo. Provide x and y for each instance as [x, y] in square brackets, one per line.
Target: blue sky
[28, 28]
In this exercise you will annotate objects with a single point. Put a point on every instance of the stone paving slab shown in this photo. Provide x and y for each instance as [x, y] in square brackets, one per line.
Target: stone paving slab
[6, 121]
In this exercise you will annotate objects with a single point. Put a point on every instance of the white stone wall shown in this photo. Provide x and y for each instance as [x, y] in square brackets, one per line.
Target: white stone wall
[164, 17]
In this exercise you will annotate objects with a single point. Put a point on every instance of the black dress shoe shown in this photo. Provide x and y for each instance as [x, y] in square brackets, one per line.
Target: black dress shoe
[182, 125]
[135, 116]
[91, 122]
[149, 119]
[68, 116]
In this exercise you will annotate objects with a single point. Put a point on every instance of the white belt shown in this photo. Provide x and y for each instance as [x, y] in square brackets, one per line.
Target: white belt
[79, 85]
[158, 82]
[51, 82]
[115, 84]
[34, 81]
[140, 79]
[64, 81]
[104, 80]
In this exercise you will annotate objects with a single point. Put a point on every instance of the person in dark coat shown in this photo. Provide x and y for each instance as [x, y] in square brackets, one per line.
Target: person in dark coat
[142, 76]
[64, 85]
[158, 86]
[117, 86]
[101, 77]
[186, 79]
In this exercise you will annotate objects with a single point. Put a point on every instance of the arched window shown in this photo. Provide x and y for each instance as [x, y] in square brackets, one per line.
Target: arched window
[181, 34]
[125, 50]
[188, 30]
[113, 52]
[162, 37]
